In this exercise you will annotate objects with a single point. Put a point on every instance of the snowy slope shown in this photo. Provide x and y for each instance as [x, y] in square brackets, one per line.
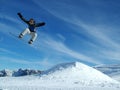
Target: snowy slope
[111, 70]
[77, 73]
[69, 76]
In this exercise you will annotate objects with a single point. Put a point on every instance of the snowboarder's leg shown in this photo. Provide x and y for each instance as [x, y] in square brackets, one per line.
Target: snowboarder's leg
[24, 33]
[34, 36]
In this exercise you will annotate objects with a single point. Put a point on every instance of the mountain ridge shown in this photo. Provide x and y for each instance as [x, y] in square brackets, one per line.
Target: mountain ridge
[79, 73]
[111, 70]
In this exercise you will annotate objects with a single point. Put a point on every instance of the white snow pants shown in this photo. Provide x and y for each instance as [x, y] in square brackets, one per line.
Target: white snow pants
[33, 34]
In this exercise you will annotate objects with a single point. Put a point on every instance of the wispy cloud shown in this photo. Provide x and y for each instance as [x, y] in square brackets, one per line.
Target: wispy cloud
[1, 39]
[6, 28]
[110, 49]
[8, 53]
[2, 50]
[58, 46]
[61, 37]
[94, 30]
[61, 47]
[103, 45]
[9, 18]
[111, 55]
[40, 63]
[97, 34]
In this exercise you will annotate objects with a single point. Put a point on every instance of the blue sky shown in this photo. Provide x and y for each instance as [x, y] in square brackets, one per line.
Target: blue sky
[76, 30]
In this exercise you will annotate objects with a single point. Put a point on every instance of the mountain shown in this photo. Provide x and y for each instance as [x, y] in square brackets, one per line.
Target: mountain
[5, 72]
[110, 70]
[19, 72]
[66, 76]
[77, 73]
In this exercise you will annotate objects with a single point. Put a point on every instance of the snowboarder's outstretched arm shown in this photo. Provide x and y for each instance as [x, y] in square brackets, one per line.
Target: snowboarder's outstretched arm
[21, 17]
[39, 24]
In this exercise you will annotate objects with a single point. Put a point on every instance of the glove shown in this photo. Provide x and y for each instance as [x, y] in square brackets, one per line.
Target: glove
[19, 14]
[43, 23]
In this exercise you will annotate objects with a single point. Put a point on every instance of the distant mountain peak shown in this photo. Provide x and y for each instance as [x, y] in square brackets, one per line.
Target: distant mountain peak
[112, 70]
[19, 72]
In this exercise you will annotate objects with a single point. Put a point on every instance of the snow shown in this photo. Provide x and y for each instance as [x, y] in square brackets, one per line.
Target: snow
[68, 76]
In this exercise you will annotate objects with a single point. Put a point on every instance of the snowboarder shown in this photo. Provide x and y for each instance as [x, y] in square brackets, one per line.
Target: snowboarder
[31, 28]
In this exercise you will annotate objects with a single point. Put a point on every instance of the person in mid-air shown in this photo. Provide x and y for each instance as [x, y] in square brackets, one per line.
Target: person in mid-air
[31, 28]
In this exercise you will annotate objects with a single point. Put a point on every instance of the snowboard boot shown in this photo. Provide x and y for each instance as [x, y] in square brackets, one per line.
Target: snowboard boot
[30, 42]
[21, 35]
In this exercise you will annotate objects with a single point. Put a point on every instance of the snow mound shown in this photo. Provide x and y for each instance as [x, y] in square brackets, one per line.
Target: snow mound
[78, 73]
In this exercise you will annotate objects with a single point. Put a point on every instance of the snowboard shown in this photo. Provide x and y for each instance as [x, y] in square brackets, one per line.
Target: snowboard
[16, 36]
